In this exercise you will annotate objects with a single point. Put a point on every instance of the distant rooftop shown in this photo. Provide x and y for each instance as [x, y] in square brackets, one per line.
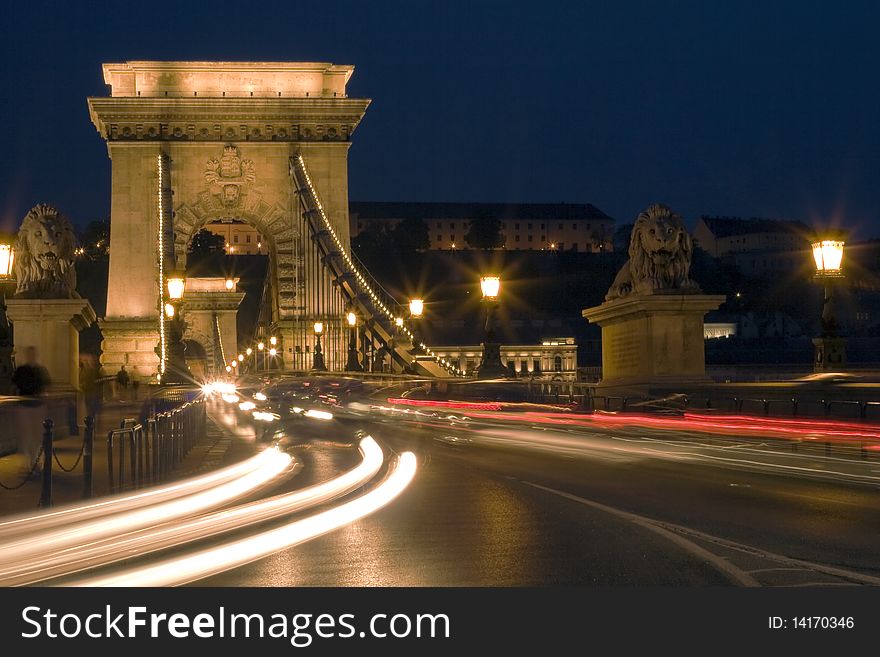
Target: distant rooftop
[526, 211]
[730, 226]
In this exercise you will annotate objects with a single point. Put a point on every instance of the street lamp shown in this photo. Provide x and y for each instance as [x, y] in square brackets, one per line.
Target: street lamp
[416, 310]
[353, 363]
[230, 284]
[491, 366]
[176, 286]
[272, 350]
[176, 369]
[7, 257]
[830, 352]
[318, 361]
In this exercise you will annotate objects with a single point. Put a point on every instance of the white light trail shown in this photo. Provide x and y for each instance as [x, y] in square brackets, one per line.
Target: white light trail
[271, 463]
[203, 563]
[70, 561]
[44, 520]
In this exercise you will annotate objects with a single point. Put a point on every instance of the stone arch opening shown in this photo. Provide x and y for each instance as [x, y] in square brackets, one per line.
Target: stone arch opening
[270, 223]
[196, 359]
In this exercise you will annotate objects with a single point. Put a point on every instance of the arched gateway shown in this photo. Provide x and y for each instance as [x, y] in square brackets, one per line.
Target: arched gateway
[196, 142]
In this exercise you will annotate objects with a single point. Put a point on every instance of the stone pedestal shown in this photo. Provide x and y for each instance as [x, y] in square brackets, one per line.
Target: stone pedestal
[130, 342]
[653, 340]
[830, 354]
[52, 326]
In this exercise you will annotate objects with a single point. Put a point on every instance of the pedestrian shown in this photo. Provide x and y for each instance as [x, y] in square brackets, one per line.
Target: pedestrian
[122, 383]
[91, 386]
[31, 381]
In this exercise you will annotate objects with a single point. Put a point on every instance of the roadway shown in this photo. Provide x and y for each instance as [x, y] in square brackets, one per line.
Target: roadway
[511, 503]
[498, 498]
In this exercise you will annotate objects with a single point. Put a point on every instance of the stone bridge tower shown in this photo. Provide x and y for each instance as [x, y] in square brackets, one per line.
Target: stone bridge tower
[196, 142]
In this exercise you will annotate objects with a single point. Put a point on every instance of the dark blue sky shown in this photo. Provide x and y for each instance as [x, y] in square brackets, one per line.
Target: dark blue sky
[739, 108]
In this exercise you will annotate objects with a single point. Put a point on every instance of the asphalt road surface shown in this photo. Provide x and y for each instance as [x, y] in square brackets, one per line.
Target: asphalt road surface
[517, 504]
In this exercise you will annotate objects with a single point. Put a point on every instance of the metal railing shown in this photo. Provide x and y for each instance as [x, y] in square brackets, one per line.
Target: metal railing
[139, 452]
[152, 449]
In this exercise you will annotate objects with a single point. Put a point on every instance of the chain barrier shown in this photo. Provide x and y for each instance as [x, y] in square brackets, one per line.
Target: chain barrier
[27, 476]
[76, 463]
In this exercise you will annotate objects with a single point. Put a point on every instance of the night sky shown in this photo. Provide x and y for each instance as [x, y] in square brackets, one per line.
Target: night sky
[740, 108]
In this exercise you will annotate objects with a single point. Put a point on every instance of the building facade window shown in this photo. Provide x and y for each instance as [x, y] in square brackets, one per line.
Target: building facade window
[557, 363]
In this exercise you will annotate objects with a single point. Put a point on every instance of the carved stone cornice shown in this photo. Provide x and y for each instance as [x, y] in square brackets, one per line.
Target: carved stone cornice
[226, 119]
[213, 301]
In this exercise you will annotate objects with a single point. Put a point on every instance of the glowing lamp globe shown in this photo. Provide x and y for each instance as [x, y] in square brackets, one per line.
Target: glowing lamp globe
[230, 283]
[319, 328]
[490, 286]
[352, 319]
[416, 307]
[248, 351]
[176, 283]
[828, 255]
[261, 346]
[7, 256]
[273, 341]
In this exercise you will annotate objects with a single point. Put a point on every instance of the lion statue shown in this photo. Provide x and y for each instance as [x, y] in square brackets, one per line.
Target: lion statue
[44, 255]
[660, 251]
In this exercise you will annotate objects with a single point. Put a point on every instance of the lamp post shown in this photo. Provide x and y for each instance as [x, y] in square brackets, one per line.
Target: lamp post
[830, 352]
[273, 350]
[7, 256]
[261, 347]
[353, 363]
[318, 361]
[416, 310]
[491, 366]
[176, 369]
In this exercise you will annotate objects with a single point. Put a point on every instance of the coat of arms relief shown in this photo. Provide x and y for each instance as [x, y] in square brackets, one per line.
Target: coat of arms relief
[229, 176]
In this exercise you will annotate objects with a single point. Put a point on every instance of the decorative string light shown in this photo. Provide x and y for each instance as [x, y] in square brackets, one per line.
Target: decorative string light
[220, 338]
[343, 251]
[161, 217]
